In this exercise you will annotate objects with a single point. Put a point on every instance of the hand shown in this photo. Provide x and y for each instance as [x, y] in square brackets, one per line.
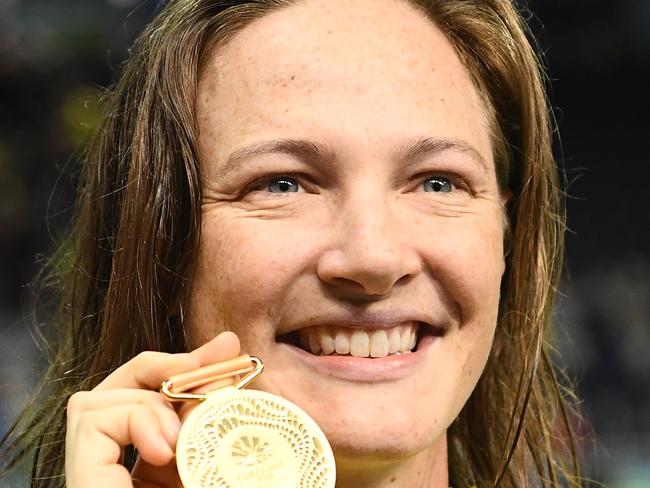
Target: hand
[125, 409]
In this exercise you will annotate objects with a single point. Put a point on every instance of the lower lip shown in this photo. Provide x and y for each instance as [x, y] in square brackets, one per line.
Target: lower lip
[366, 370]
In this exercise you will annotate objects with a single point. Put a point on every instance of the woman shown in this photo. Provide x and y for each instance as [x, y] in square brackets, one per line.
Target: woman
[363, 194]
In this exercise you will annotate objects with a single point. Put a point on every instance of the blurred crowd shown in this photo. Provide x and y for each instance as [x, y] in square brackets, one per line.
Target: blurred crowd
[57, 56]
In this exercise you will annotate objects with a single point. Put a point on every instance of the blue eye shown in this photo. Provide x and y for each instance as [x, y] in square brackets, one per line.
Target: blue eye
[437, 184]
[283, 184]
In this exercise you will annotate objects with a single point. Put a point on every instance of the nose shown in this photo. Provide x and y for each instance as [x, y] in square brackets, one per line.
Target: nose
[370, 251]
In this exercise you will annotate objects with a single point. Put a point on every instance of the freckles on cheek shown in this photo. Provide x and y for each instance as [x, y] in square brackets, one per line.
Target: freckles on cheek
[242, 259]
[476, 261]
[466, 355]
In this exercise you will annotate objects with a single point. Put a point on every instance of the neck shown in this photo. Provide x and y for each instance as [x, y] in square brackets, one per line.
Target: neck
[426, 469]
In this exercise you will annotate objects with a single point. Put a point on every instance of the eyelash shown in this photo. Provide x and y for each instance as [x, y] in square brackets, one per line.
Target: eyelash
[263, 182]
[457, 182]
[257, 185]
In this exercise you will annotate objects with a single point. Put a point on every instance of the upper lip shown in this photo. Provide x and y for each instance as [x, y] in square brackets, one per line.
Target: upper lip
[368, 320]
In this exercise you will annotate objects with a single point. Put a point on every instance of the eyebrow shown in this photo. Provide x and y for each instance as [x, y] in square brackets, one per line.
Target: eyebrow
[300, 149]
[427, 146]
[313, 153]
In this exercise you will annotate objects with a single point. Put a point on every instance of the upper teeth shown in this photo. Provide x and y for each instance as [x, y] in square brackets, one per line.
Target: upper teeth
[329, 339]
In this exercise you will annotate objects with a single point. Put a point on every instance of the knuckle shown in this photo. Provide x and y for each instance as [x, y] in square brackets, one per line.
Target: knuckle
[86, 422]
[148, 357]
[75, 403]
[139, 417]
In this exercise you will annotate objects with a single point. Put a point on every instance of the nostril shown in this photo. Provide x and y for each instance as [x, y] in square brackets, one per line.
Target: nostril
[353, 291]
[404, 279]
[366, 269]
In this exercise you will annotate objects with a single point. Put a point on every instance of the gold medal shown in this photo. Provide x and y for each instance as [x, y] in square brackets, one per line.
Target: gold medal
[237, 438]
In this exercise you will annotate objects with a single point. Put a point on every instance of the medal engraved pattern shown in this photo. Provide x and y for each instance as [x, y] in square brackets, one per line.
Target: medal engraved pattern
[249, 438]
[251, 450]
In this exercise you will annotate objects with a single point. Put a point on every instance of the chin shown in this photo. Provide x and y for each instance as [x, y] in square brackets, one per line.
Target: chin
[379, 446]
[380, 430]
[374, 445]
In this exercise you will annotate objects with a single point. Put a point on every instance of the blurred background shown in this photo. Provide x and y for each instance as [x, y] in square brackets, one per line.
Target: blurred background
[56, 57]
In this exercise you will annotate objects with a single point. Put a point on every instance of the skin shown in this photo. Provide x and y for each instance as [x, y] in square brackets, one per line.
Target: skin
[361, 238]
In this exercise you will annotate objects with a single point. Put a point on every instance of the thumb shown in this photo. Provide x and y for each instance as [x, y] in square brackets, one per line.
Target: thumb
[224, 346]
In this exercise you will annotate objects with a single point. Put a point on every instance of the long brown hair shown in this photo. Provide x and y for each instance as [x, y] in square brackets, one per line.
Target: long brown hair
[121, 275]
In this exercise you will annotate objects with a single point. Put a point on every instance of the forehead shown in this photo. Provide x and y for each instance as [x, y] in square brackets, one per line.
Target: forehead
[323, 63]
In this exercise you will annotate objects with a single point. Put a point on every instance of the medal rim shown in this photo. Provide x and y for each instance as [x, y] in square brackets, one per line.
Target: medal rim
[226, 394]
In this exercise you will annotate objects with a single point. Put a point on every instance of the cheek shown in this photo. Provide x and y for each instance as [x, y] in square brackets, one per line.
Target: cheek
[466, 258]
[468, 354]
[244, 268]
[478, 283]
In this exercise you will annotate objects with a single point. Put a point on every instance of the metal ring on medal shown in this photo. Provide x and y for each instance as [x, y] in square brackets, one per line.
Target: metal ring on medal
[252, 439]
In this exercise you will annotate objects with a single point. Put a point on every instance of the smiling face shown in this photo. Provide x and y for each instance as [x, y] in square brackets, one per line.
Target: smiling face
[350, 201]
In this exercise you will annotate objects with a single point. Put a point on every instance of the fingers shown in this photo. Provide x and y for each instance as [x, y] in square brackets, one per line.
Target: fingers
[225, 346]
[149, 369]
[95, 439]
[111, 420]
[123, 410]
[84, 402]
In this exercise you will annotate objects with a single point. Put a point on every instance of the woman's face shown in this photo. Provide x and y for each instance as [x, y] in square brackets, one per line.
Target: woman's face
[350, 202]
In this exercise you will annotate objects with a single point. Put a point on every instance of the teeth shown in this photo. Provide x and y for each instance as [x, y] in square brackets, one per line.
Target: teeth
[326, 341]
[359, 344]
[394, 340]
[314, 345]
[342, 342]
[378, 343]
[405, 339]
